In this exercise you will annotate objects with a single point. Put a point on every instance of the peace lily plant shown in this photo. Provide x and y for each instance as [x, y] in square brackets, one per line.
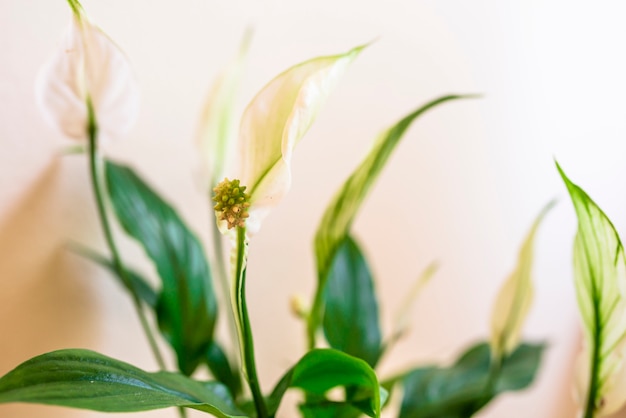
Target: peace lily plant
[88, 92]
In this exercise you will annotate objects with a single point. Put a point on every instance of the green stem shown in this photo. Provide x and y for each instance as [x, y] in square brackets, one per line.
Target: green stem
[590, 408]
[92, 130]
[218, 255]
[245, 331]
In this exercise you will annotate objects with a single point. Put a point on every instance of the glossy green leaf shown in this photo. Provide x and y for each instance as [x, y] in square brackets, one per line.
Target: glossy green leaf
[221, 369]
[468, 385]
[88, 380]
[600, 278]
[274, 123]
[515, 297]
[187, 308]
[340, 213]
[351, 320]
[323, 369]
[140, 286]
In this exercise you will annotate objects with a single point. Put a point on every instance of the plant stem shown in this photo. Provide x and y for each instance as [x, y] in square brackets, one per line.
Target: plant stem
[245, 332]
[92, 130]
[218, 255]
[590, 407]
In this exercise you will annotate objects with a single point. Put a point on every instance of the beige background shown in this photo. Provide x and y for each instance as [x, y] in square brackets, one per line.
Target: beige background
[462, 189]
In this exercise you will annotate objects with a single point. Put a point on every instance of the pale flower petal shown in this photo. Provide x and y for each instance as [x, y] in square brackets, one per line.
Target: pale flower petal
[215, 137]
[88, 65]
[275, 121]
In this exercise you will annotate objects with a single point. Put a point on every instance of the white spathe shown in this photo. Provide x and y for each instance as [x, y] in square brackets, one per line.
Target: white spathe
[275, 121]
[88, 64]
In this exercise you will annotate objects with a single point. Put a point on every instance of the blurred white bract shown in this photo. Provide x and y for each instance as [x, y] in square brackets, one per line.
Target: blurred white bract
[88, 69]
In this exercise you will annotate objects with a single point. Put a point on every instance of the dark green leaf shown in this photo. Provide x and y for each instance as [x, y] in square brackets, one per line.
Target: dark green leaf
[323, 369]
[351, 310]
[519, 368]
[88, 380]
[187, 308]
[342, 210]
[329, 409]
[221, 369]
[140, 286]
[465, 387]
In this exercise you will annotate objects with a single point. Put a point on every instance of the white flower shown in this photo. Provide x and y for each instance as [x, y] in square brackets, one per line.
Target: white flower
[271, 126]
[88, 69]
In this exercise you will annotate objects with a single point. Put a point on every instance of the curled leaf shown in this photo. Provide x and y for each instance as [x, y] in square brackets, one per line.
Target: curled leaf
[320, 370]
[515, 297]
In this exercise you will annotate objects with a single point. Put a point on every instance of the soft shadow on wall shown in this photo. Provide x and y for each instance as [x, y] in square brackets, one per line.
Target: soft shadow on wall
[45, 302]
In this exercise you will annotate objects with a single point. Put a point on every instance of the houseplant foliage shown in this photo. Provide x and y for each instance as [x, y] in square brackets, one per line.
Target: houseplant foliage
[600, 279]
[90, 95]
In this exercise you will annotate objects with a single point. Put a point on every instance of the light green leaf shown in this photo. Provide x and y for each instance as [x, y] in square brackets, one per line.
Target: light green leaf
[139, 285]
[600, 278]
[275, 121]
[351, 320]
[187, 309]
[323, 369]
[515, 297]
[464, 388]
[88, 380]
[402, 316]
[340, 213]
[215, 134]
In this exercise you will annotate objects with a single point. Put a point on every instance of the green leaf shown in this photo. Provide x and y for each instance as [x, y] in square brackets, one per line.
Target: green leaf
[323, 369]
[351, 316]
[329, 409]
[340, 213]
[465, 387]
[515, 297]
[140, 286]
[274, 123]
[600, 279]
[187, 308]
[88, 380]
[221, 369]
[402, 317]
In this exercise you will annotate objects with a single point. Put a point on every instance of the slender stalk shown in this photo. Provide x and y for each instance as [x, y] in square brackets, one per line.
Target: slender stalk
[243, 321]
[92, 130]
[222, 274]
[590, 407]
